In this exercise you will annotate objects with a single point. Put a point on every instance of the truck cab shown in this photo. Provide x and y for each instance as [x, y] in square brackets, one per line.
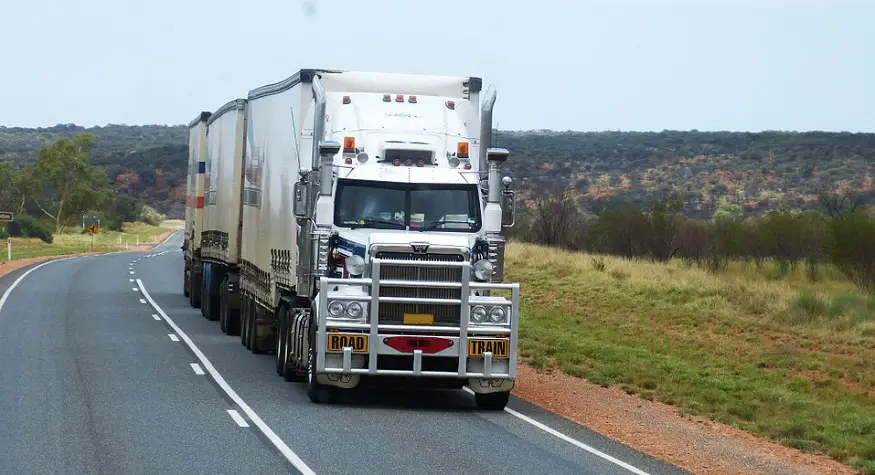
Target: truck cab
[408, 240]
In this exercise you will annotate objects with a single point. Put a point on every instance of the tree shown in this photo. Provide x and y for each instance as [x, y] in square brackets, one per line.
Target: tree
[11, 197]
[63, 185]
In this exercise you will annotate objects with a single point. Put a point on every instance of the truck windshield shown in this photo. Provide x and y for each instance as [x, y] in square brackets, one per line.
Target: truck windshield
[418, 207]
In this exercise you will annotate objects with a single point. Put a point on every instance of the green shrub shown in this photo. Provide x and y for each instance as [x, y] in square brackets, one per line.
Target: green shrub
[29, 227]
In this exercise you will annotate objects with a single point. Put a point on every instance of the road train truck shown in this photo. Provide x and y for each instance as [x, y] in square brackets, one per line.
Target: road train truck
[352, 224]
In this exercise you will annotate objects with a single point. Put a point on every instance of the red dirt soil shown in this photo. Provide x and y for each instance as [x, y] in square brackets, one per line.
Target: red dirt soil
[694, 444]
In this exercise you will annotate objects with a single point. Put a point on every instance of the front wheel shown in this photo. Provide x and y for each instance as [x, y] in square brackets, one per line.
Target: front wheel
[492, 401]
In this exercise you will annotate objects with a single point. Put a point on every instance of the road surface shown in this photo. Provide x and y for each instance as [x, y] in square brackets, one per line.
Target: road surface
[106, 369]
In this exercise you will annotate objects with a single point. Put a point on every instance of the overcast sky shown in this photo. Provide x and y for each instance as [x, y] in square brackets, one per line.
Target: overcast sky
[578, 65]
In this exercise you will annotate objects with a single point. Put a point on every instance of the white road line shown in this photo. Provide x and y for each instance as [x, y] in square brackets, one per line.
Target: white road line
[197, 369]
[143, 301]
[131, 272]
[22, 276]
[237, 418]
[130, 280]
[568, 439]
[173, 337]
[135, 289]
[156, 317]
[284, 449]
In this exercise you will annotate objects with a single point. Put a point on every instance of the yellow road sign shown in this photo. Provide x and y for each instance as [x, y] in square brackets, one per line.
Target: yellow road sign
[92, 228]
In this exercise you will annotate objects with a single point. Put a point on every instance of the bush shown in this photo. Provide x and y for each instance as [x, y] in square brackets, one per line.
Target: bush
[29, 227]
[3, 233]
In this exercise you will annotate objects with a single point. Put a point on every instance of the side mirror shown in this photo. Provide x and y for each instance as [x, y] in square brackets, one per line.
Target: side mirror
[300, 208]
[508, 209]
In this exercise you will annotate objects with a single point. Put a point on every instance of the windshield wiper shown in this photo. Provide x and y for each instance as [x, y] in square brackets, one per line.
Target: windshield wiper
[371, 221]
[434, 224]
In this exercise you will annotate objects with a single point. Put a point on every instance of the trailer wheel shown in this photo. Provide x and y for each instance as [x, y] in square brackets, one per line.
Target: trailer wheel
[318, 393]
[231, 317]
[492, 401]
[205, 297]
[252, 333]
[244, 318]
[185, 277]
[211, 301]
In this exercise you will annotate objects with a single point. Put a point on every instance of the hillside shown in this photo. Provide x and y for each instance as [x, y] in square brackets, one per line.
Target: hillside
[756, 170]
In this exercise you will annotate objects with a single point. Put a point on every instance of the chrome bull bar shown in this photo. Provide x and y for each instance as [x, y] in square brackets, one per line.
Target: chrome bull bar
[373, 326]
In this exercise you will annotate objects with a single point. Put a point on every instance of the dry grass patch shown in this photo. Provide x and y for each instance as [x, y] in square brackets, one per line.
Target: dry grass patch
[741, 347]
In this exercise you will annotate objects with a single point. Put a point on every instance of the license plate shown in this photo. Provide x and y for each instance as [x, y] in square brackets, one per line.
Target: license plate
[418, 319]
[337, 341]
[498, 347]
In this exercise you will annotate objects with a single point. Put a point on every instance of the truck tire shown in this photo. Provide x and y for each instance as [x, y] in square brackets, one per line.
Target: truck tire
[194, 286]
[185, 277]
[492, 401]
[244, 317]
[318, 393]
[229, 319]
[211, 301]
[251, 334]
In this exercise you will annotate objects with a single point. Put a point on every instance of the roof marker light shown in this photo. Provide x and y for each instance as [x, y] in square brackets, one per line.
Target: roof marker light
[346, 100]
[408, 162]
[348, 160]
[349, 145]
[462, 149]
[387, 98]
[399, 98]
[451, 105]
[411, 99]
[467, 165]
[396, 162]
[420, 163]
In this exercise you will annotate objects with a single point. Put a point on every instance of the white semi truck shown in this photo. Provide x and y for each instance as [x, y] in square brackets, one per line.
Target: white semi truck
[353, 225]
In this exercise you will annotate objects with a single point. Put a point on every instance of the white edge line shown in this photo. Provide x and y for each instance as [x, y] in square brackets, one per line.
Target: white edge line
[568, 439]
[197, 369]
[284, 449]
[173, 337]
[237, 418]
[22, 276]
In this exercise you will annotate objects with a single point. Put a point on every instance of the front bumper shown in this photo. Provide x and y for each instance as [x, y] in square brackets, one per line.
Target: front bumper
[446, 351]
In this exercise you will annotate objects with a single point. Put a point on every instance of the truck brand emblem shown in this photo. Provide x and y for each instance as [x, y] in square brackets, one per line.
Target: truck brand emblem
[419, 247]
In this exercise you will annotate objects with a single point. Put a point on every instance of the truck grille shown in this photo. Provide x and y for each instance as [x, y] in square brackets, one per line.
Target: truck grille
[445, 315]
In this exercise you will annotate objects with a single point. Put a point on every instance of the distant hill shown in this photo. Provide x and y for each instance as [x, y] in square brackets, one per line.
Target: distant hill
[607, 169]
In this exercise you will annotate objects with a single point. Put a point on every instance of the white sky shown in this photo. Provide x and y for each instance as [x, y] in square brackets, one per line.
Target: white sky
[578, 65]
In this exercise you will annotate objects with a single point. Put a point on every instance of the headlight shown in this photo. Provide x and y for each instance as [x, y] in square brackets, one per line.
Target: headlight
[354, 310]
[483, 270]
[478, 314]
[355, 265]
[497, 315]
[335, 308]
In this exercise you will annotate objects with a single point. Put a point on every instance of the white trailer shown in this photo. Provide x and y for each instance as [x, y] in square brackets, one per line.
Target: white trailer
[194, 204]
[369, 244]
[221, 236]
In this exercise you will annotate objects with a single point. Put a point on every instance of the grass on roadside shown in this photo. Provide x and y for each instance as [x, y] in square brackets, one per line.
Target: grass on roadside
[775, 355]
[75, 242]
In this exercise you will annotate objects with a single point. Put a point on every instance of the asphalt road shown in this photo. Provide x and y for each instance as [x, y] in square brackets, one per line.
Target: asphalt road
[106, 369]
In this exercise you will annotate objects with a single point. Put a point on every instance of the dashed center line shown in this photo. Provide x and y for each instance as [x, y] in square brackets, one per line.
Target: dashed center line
[197, 369]
[156, 317]
[237, 418]
[143, 301]
[174, 338]
[136, 289]
[130, 280]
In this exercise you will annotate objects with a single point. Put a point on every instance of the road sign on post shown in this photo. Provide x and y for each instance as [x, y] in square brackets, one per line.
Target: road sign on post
[5, 216]
[92, 230]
